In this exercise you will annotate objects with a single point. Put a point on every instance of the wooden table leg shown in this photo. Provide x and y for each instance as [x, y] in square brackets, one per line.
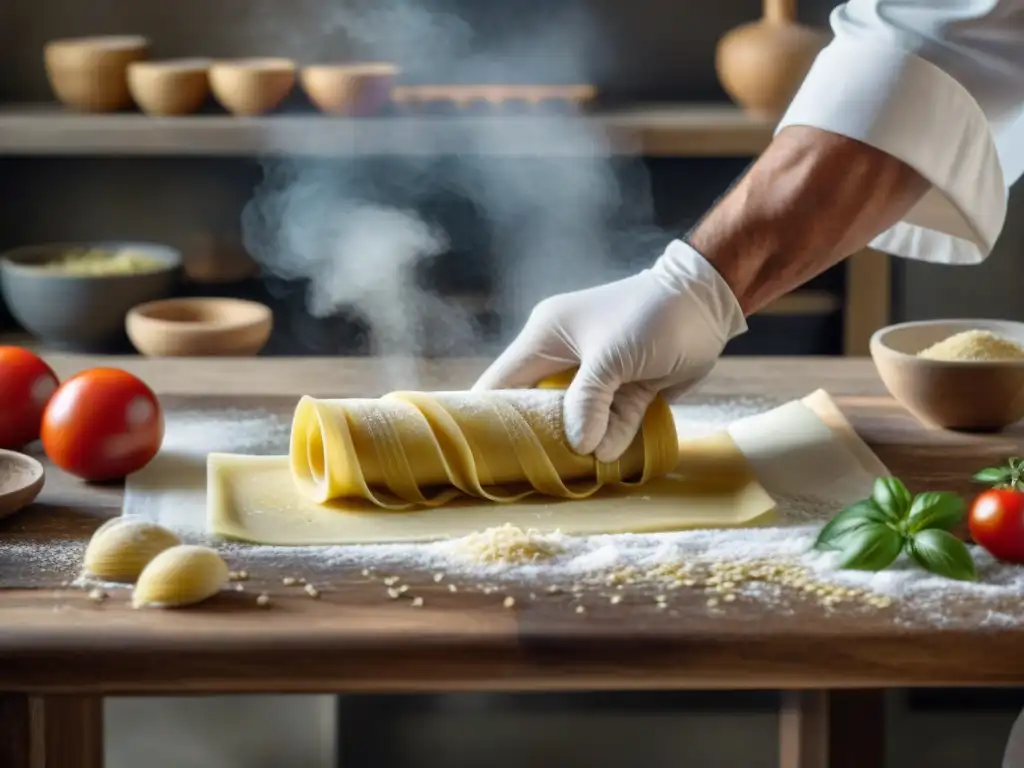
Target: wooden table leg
[51, 731]
[832, 729]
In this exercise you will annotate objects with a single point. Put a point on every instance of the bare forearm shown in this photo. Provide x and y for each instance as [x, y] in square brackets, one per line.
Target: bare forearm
[812, 199]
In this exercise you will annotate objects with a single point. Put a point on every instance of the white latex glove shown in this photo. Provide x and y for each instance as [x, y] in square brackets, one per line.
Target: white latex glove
[660, 331]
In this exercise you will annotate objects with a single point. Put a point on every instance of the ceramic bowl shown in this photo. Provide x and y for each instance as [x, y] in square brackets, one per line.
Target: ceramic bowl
[83, 313]
[200, 327]
[251, 86]
[176, 87]
[90, 73]
[349, 89]
[21, 480]
[964, 395]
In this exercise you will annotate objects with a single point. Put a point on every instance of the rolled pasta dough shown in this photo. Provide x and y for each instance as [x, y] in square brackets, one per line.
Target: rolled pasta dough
[423, 449]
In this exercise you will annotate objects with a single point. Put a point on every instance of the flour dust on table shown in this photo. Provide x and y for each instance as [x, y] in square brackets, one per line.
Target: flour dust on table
[774, 566]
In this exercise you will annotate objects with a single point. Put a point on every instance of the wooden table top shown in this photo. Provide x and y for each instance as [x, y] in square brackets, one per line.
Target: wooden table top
[352, 638]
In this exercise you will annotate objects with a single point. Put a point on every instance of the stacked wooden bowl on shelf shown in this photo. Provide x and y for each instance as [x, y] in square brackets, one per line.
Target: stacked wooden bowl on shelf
[89, 74]
[164, 88]
[254, 86]
[358, 89]
[109, 73]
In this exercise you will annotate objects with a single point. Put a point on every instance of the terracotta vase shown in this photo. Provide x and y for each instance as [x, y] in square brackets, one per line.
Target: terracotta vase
[761, 64]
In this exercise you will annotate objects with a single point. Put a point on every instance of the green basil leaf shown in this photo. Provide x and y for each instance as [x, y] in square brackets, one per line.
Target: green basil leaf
[892, 497]
[993, 475]
[870, 548]
[935, 509]
[850, 519]
[942, 553]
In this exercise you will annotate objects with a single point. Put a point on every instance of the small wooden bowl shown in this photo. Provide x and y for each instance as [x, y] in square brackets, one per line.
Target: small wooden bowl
[21, 480]
[200, 327]
[251, 86]
[90, 73]
[349, 89]
[963, 395]
[177, 87]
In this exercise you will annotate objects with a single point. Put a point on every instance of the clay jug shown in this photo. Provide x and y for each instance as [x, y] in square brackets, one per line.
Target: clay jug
[761, 64]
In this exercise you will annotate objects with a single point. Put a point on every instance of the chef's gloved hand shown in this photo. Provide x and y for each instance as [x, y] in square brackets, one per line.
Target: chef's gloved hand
[660, 331]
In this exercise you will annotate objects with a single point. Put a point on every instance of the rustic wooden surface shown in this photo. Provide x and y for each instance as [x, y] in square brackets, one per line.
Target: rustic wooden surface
[353, 638]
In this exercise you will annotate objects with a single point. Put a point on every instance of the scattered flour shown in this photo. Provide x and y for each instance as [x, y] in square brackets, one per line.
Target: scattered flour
[228, 431]
[32, 561]
[918, 597]
[15, 475]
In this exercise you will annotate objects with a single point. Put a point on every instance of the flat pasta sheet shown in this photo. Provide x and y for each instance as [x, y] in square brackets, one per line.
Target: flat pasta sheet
[254, 498]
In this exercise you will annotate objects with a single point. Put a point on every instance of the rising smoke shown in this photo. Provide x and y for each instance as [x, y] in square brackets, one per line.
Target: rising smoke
[355, 231]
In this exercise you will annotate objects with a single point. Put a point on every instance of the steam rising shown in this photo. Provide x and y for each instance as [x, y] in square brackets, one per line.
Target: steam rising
[357, 232]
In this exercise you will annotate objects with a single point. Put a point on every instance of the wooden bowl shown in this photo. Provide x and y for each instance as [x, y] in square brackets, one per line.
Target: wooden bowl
[349, 89]
[251, 86]
[964, 395]
[90, 73]
[177, 87]
[21, 480]
[199, 327]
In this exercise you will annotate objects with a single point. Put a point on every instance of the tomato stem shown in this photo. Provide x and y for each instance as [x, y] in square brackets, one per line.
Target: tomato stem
[1010, 476]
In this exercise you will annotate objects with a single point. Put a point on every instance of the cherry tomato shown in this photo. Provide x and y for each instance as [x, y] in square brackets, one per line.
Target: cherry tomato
[26, 385]
[102, 424]
[996, 521]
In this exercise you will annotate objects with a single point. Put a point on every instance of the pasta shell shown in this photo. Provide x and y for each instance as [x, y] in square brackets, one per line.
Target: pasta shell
[122, 547]
[180, 576]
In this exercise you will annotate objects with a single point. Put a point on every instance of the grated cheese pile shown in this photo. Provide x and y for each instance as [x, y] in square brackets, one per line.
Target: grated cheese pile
[974, 345]
[508, 545]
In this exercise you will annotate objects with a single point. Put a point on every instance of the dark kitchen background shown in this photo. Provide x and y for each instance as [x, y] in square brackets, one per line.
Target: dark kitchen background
[642, 51]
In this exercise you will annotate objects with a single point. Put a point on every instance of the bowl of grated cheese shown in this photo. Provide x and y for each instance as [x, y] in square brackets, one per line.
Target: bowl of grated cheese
[75, 296]
[955, 374]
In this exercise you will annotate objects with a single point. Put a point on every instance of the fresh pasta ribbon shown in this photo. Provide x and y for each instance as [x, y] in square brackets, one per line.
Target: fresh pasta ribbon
[416, 449]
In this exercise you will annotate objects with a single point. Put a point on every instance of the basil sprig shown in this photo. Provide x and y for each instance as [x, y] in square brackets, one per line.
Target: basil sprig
[870, 534]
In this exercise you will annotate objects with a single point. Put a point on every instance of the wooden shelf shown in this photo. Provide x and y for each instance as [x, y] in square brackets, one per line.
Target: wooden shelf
[690, 130]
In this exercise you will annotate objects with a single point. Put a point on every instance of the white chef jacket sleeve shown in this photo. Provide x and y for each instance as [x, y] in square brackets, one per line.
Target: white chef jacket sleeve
[938, 84]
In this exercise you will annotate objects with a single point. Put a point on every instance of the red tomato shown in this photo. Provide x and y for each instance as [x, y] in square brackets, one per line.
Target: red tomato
[997, 523]
[102, 424]
[26, 385]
